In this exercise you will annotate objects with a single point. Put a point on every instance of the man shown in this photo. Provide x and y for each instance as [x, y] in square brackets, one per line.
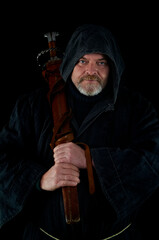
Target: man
[121, 129]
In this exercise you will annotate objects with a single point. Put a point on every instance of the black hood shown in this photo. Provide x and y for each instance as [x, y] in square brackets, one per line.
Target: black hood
[90, 38]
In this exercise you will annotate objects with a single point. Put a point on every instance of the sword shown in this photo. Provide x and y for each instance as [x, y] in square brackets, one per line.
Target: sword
[62, 129]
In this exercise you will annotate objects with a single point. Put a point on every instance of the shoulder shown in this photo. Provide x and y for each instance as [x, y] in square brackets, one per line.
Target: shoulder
[31, 103]
[135, 102]
[35, 97]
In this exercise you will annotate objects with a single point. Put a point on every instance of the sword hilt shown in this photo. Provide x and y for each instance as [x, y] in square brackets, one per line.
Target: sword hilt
[51, 36]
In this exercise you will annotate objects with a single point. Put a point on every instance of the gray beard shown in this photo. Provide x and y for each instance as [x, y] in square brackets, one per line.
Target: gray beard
[90, 90]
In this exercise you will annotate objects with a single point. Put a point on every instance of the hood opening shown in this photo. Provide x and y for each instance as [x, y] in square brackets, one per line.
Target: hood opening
[88, 39]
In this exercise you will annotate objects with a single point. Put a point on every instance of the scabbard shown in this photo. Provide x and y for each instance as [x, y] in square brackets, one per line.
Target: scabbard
[62, 133]
[71, 206]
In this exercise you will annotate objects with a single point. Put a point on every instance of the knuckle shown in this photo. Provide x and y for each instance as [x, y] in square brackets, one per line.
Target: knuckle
[56, 181]
[70, 145]
[69, 157]
[57, 169]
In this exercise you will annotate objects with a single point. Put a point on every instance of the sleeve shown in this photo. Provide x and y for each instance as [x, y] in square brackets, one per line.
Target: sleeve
[19, 168]
[128, 176]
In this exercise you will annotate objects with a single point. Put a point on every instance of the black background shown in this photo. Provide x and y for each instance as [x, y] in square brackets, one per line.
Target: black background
[135, 27]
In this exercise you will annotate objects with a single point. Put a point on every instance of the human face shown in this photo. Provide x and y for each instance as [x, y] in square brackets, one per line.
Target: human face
[90, 74]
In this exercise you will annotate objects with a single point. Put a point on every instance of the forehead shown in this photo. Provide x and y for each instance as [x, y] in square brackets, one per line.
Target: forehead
[94, 56]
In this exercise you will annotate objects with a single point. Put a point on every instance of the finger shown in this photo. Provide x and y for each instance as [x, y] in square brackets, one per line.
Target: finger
[60, 147]
[67, 166]
[68, 171]
[64, 147]
[62, 159]
[69, 177]
[60, 152]
[59, 155]
[64, 183]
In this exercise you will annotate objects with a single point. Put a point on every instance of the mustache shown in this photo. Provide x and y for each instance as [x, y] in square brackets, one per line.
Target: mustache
[90, 77]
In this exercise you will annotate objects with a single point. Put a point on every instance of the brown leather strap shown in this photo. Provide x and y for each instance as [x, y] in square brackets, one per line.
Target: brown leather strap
[89, 167]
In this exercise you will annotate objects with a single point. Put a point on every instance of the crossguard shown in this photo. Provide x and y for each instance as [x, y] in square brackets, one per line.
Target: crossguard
[51, 36]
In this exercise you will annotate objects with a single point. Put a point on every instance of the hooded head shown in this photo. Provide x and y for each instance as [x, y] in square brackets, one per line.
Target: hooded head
[88, 39]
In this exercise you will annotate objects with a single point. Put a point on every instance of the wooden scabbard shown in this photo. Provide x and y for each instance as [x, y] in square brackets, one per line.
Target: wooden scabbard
[62, 133]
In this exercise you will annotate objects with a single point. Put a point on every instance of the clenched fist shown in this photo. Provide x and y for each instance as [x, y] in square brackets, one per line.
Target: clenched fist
[70, 153]
[68, 158]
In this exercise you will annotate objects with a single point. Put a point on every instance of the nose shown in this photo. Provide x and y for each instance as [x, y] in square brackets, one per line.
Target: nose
[91, 69]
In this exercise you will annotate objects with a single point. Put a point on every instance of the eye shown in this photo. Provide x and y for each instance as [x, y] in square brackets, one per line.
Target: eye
[102, 63]
[82, 61]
